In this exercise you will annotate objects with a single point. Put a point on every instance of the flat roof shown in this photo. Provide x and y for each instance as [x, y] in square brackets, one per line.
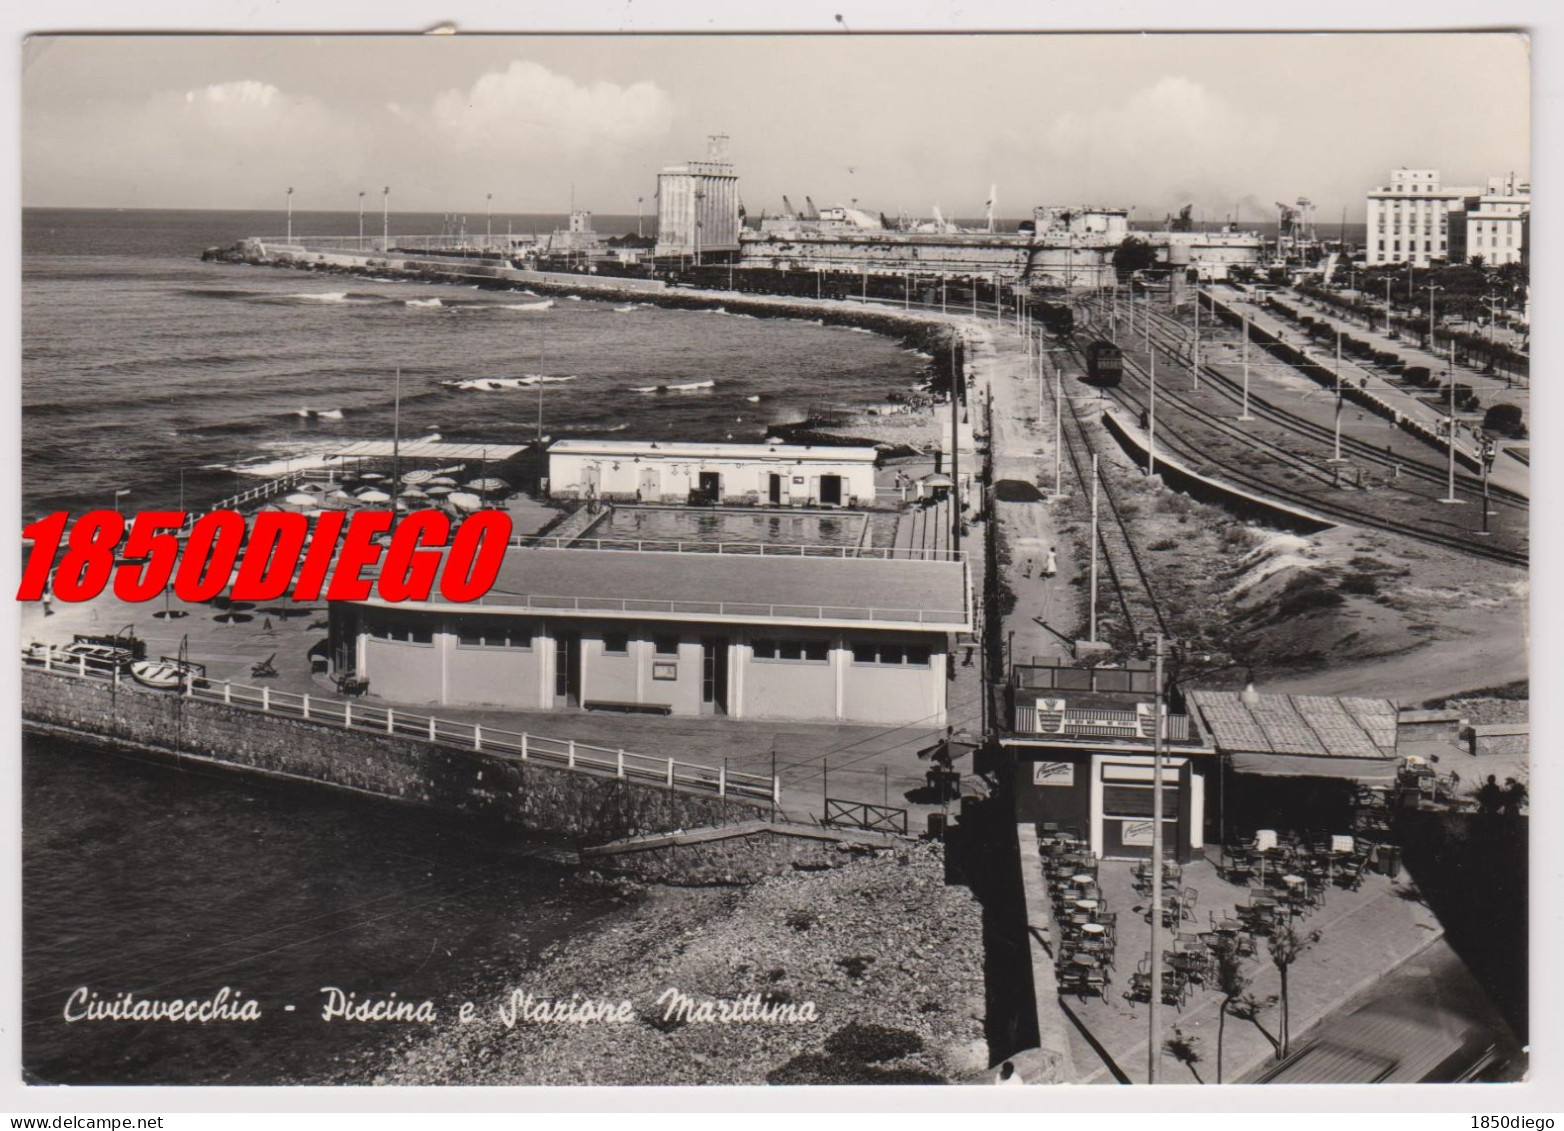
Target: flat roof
[664, 450]
[426, 449]
[853, 592]
[1319, 726]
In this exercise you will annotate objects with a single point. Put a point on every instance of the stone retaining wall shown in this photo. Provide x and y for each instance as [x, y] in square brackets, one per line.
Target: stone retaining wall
[580, 804]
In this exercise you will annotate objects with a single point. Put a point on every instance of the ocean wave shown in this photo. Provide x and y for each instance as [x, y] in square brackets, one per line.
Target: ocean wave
[624, 309]
[546, 304]
[429, 302]
[686, 387]
[574, 298]
[591, 427]
[320, 413]
[499, 384]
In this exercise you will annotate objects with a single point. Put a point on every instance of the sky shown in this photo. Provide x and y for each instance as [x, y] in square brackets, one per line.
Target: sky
[1229, 123]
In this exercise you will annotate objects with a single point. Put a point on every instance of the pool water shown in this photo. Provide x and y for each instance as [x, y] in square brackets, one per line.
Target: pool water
[754, 527]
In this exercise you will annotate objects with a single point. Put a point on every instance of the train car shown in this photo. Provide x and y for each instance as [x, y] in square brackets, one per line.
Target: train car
[1055, 318]
[1104, 364]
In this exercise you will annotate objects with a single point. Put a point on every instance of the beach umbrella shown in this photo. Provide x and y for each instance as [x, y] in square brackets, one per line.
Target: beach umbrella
[374, 497]
[442, 481]
[487, 485]
[465, 501]
[372, 476]
[415, 477]
[300, 499]
[339, 497]
[438, 490]
[413, 493]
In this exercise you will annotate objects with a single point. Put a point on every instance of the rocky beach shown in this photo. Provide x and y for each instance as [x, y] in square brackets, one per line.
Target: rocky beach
[870, 972]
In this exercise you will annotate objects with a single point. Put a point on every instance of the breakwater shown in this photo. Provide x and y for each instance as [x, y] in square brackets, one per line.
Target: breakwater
[583, 805]
[923, 330]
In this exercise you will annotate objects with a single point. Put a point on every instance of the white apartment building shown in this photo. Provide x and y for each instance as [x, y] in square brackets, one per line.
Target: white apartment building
[1409, 219]
[1496, 222]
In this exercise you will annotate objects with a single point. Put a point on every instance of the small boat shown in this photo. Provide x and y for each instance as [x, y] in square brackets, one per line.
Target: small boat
[167, 673]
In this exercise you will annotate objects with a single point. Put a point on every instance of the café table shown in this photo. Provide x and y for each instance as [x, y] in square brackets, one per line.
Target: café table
[1094, 929]
[1085, 960]
[1086, 904]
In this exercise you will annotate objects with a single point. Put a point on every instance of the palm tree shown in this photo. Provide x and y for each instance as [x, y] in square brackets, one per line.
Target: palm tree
[1287, 945]
[1233, 984]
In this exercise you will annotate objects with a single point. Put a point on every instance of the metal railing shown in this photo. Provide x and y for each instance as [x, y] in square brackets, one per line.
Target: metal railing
[520, 746]
[266, 490]
[751, 549]
[865, 816]
[748, 610]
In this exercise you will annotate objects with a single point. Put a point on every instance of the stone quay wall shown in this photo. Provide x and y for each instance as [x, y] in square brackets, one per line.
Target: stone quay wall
[584, 805]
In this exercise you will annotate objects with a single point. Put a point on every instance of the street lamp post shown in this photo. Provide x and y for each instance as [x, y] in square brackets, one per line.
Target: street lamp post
[1489, 451]
[488, 220]
[385, 219]
[290, 217]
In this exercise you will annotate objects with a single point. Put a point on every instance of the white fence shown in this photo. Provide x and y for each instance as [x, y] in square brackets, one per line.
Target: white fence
[332, 711]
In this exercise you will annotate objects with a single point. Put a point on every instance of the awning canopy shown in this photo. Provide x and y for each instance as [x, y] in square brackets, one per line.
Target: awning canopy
[427, 449]
[1368, 771]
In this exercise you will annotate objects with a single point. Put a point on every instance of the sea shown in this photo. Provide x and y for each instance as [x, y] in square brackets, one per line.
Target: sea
[147, 370]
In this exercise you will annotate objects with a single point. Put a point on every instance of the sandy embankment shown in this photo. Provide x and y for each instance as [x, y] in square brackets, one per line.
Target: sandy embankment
[887, 954]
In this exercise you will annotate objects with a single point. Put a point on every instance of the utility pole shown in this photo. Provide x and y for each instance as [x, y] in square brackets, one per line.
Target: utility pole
[361, 219]
[1091, 634]
[957, 379]
[1151, 423]
[290, 216]
[385, 219]
[1244, 416]
[638, 201]
[1196, 366]
[1450, 437]
[488, 220]
[1154, 1051]
[396, 444]
[1336, 458]
[1058, 430]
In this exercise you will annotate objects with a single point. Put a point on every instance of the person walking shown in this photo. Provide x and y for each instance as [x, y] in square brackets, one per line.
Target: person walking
[1051, 566]
[48, 602]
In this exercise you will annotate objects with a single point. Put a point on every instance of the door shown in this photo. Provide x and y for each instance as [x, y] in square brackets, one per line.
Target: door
[830, 490]
[710, 487]
[714, 675]
[651, 487]
[774, 495]
[567, 669]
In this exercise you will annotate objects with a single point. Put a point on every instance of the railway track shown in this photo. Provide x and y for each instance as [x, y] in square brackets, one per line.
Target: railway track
[1172, 334]
[1127, 573]
[1201, 458]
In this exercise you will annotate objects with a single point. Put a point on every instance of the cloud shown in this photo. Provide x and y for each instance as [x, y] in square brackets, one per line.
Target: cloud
[521, 130]
[527, 106]
[1174, 139]
[201, 147]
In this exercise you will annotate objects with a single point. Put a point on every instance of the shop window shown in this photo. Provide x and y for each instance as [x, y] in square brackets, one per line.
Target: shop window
[616, 643]
[666, 645]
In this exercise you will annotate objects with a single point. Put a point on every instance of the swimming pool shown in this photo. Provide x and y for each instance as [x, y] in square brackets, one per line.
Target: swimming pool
[727, 526]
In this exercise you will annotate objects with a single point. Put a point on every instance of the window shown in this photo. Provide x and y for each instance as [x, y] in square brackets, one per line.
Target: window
[616, 643]
[666, 645]
[399, 632]
[812, 651]
[891, 655]
[494, 632]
